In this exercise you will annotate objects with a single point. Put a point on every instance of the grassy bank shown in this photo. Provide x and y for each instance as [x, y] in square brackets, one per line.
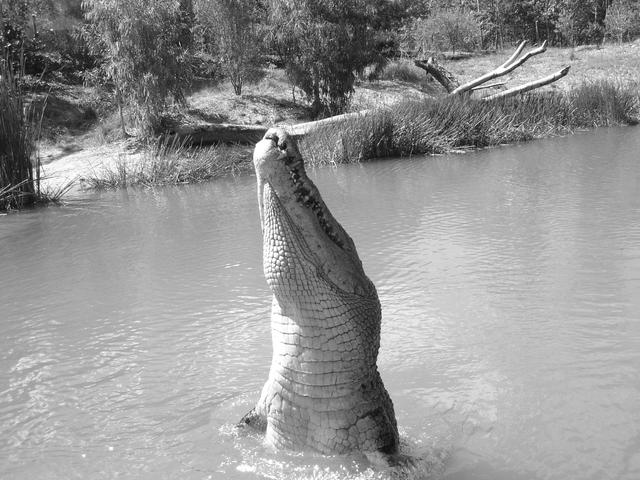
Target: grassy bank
[170, 163]
[453, 123]
[601, 89]
[413, 127]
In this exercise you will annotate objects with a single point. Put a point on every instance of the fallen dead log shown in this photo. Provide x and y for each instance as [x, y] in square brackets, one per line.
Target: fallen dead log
[302, 129]
[453, 87]
[443, 76]
[529, 86]
[510, 65]
[212, 133]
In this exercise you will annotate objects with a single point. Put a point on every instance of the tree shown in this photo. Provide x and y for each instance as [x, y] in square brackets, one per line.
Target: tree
[623, 19]
[323, 45]
[233, 30]
[144, 52]
[19, 33]
[582, 21]
[447, 29]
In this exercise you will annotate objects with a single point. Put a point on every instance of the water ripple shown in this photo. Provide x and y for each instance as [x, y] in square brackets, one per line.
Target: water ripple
[134, 325]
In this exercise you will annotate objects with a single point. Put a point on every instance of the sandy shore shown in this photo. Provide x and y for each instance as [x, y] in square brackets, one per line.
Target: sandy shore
[60, 167]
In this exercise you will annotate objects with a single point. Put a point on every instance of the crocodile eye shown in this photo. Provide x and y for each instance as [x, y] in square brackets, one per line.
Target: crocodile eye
[272, 136]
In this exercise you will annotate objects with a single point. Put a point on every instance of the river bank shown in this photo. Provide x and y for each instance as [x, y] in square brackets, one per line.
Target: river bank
[80, 154]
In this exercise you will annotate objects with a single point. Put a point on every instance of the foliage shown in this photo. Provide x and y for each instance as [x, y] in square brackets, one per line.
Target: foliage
[323, 45]
[145, 50]
[497, 23]
[581, 21]
[36, 35]
[19, 41]
[623, 20]
[453, 29]
[233, 31]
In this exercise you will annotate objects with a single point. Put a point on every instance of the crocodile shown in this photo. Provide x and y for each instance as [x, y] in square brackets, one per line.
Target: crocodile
[324, 392]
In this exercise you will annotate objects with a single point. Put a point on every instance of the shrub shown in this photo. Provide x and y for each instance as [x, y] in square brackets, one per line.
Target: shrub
[323, 45]
[239, 38]
[144, 46]
[622, 20]
[444, 29]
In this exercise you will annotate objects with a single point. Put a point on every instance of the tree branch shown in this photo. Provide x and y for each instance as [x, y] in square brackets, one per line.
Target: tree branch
[491, 85]
[511, 64]
[529, 86]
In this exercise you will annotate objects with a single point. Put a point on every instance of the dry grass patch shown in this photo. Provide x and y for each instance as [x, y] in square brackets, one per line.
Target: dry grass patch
[171, 163]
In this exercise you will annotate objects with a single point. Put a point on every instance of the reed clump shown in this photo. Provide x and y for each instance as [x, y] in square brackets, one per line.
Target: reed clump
[170, 162]
[20, 168]
[451, 124]
[18, 177]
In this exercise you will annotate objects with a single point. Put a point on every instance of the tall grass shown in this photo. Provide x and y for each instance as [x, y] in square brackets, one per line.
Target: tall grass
[18, 178]
[171, 162]
[455, 123]
[20, 169]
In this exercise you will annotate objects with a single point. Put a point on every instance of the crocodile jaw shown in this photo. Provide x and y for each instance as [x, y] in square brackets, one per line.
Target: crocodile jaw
[283, 179]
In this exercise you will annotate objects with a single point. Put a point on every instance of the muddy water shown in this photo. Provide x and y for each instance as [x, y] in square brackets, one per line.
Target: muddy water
[134, 325]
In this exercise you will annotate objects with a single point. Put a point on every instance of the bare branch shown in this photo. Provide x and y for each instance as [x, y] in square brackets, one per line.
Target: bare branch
[529, 86]
[511, 64]
[536, 51]
[491, 85]
[515, 55]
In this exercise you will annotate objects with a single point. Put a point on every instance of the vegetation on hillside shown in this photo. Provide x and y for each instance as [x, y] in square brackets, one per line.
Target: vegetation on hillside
[148, 52]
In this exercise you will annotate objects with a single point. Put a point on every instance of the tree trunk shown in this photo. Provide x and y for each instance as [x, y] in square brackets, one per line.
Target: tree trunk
[441, 74]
